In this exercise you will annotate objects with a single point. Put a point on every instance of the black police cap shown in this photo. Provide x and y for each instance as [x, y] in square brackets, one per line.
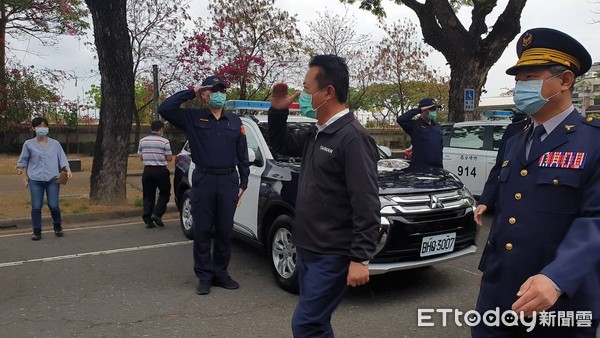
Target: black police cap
[214, 81]
[547, 47]
[428, 102]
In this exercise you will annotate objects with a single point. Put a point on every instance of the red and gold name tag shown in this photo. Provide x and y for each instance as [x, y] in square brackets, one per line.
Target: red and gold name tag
[567, 160]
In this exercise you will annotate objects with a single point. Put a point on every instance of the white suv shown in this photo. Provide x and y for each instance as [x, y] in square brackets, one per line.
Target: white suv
[470, 150]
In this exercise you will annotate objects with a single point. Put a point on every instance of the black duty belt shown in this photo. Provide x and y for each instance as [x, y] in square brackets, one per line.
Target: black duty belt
[217, 171]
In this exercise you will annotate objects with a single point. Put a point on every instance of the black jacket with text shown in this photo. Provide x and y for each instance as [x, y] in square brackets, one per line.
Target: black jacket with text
[337, 207]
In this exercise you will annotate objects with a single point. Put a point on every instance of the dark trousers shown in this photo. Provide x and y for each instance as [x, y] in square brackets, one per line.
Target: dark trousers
[485, 303]
[322, 281]
[153, 178]
[214, 200]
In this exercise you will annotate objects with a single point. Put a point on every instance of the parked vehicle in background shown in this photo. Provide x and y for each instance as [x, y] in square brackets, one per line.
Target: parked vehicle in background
[470, 150]
[426, 215]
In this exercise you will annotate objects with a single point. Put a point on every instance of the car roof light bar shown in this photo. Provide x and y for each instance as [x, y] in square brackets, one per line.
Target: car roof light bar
[255, 105]
[498, 113]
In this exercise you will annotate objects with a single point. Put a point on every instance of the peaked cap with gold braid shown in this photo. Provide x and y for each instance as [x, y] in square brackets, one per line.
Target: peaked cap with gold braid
[546, 47]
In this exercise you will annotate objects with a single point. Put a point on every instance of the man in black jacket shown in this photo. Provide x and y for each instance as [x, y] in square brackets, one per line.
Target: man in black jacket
[337, 208]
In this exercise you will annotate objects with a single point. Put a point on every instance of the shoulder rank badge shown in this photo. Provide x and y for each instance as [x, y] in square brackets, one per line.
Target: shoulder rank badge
[565, 160]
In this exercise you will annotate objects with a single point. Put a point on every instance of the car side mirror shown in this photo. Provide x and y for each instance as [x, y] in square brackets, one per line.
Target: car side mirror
[386, 151]
[251, 156]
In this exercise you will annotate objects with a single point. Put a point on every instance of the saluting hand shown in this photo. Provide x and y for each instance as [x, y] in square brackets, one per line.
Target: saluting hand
[200, 89]
[536, 294]
[358, 274]
[280, 99]
[478, 216]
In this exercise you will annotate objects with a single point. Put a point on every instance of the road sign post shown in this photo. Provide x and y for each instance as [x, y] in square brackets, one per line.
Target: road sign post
[469, 99]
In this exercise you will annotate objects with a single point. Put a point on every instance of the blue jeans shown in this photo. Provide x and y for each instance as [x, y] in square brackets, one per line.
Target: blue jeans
[322, 281]
[36, 189]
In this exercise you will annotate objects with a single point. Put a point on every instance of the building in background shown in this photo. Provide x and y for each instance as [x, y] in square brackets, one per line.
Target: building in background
[586, 95]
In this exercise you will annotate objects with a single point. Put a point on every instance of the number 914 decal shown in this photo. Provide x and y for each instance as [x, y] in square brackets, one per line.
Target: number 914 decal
[466, 171]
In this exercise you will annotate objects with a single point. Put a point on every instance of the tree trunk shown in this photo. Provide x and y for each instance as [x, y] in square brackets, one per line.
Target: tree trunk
[467, 74]
[115, 61]
[3, 92]
[469, 55]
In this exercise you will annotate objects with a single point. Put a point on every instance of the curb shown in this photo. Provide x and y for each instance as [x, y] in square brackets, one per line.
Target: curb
[12, 223]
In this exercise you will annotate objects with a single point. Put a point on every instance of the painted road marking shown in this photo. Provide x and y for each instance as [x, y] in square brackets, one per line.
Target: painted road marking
[28, 233]
[95, 253]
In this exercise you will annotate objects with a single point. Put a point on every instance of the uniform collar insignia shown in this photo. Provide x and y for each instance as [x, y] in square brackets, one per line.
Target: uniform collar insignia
[568, 127]
[505, 163]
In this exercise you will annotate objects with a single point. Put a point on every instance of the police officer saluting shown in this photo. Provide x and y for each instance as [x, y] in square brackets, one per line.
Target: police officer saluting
[218, 145]
[425, 133]
[543, 251]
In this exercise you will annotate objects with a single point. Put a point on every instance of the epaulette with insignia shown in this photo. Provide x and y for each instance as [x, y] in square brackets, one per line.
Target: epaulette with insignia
[592, 121]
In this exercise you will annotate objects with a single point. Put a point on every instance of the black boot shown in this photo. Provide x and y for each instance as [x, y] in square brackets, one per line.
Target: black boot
[37, 235]
[58, 230]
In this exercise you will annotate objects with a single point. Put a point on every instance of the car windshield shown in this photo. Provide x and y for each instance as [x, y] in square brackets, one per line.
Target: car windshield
[299, 127]
[293, 127]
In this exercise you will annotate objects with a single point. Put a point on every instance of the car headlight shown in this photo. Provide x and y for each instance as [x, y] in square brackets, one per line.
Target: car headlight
[384, 230]
[467, 196]
[387, 206]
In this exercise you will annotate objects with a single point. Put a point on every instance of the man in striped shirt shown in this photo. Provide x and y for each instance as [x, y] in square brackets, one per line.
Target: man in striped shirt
[155, 152]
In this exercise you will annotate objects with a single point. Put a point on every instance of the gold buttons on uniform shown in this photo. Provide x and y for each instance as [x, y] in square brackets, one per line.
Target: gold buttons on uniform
[524, 172]
[555, 181]
[518, 196]
[589, 119]
[512, 220]
[508, 246]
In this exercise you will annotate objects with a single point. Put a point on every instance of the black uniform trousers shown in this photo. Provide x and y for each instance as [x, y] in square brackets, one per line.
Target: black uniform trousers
[155, 177]
[214, 200]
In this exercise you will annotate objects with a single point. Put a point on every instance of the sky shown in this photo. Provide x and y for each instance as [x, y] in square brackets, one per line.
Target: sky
[574, 17]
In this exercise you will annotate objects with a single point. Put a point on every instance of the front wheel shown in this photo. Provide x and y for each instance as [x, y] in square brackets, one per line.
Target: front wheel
[283, 254]
[185, 215]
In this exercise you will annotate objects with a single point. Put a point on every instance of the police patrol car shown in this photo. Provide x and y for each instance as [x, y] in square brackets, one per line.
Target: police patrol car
[470, 148]
[426, 215]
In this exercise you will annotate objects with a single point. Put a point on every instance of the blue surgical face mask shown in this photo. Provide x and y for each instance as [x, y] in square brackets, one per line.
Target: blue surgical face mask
[41, 131]
[432, 115]
[305, 101]
[217, 99]
[528, 96]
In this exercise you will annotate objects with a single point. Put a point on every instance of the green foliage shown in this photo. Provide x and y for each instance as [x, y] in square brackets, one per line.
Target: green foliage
[43, 19]
[385, 101]
[253, 43]
[94, 96]
[26, 96]
[143, 98]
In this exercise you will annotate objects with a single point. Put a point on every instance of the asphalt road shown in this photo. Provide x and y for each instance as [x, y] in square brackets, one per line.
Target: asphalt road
[118, 279]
